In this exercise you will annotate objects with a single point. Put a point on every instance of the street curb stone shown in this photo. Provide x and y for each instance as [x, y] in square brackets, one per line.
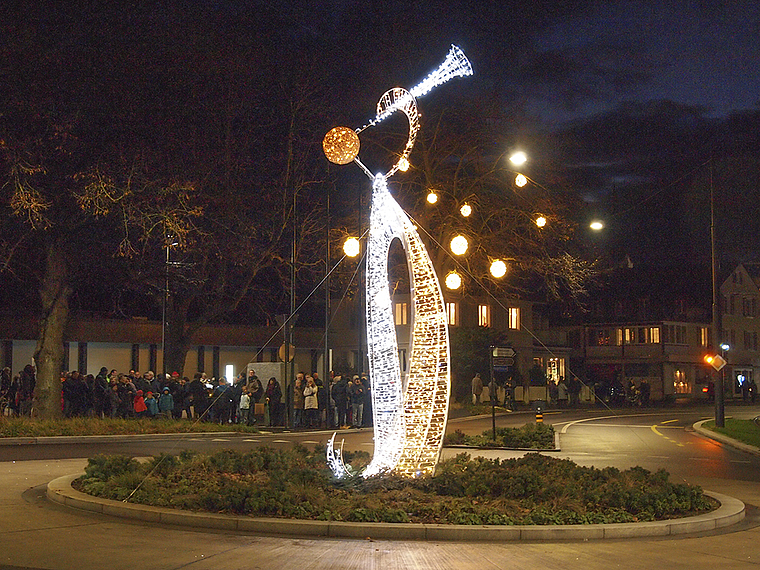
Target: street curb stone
[710, 434]
[731, 511]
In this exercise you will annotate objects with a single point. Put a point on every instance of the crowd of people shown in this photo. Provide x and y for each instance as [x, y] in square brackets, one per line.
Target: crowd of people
[342, 402]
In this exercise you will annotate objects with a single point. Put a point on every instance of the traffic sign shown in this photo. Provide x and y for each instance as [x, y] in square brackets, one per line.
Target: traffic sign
[286, 351]
[717, 362]
[506, 351]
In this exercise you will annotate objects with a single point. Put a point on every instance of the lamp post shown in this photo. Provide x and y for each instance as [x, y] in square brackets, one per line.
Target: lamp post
[720, 417]
[352, 247]
[170, 242]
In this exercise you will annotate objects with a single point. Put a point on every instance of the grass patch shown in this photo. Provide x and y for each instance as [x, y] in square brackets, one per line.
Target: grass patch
[28, 427]
[746, 431]
[529, 436]
[294, 483]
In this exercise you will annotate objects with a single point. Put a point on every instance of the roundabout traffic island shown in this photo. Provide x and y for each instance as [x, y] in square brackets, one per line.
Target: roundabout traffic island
[289, 492]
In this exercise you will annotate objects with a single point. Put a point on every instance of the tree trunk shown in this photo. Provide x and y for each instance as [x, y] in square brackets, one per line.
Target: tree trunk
[178, 337]
[54, 294]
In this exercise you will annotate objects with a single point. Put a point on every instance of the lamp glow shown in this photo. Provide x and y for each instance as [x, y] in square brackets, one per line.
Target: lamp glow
[432, 197]
[520, 180]
[453, 281]
[459, 245]
[498, 268]
[352, 247]
[540, 221]
[465, 210]
[403, 164]
[519, 158]
[596, 225]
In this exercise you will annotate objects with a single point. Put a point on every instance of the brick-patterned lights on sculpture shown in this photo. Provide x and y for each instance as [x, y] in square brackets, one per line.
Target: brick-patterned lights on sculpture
[409, 416]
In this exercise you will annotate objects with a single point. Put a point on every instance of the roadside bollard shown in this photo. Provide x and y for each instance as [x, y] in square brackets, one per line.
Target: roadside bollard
[539, 407]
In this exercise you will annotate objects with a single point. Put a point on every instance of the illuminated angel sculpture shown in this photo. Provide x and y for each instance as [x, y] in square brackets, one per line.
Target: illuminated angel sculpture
[409, 413]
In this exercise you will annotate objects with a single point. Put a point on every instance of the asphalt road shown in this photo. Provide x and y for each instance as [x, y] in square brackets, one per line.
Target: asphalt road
[35, 534]
[653, 439]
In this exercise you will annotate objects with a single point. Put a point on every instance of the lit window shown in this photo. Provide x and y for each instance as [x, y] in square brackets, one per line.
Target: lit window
[704, 336]
[654, 335]
[402, 360]
[402, 312]
[484, 316]
[452, 313]
[514, 318]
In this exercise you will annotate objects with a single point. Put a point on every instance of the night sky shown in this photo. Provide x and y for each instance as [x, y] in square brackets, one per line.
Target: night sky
[623, 102]
[626, 102]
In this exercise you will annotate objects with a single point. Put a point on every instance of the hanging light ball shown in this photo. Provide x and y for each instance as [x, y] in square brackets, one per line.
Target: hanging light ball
[540, 221]
[498, 268]
[352, 247]
[465, 210]
[459, 245]
[403, 164]
[453, 281]
[432, 197]
[520, 180]
[341, 145]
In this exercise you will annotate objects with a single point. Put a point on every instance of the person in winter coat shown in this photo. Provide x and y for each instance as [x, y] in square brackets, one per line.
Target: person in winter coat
[243, 408]
[356, 395]
[298, 403]
[166, 403]
[311, 403]
[273, 397]
[340, 396]
[151, 405]
[140, 408]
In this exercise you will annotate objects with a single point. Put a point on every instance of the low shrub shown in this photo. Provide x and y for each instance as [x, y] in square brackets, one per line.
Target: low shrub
[295, 483]
[529, 436]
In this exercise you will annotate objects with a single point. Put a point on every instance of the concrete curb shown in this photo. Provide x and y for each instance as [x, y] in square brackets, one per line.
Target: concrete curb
[731, 511]
[724, 438]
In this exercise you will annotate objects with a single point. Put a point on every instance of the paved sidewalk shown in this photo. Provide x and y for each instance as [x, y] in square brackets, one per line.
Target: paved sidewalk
[36, 533]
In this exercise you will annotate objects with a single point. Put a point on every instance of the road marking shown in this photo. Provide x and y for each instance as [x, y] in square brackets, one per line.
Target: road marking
[219, 439]
[309, 441]
[655, 430]
[584, 420]
[252, 440]
[280, 441]
[668, 422]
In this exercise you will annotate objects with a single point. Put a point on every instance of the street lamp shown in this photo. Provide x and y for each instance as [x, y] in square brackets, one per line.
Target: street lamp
[498, 268]
[453, 281]
[518, 158]
[596, 225]
[459, 245]
[352, 247]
